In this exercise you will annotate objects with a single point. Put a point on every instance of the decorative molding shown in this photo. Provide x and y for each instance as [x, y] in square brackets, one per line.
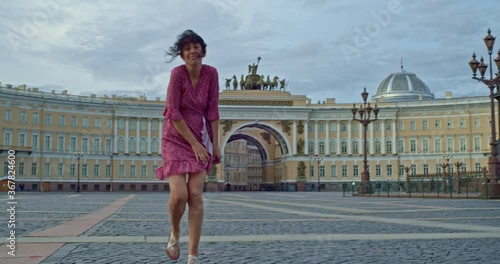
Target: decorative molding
[255, 102]
[266, 136]
[227, 125]
[285, 126]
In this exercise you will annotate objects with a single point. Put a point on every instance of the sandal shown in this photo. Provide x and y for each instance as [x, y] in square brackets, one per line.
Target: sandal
[192, 259]
[172, 248]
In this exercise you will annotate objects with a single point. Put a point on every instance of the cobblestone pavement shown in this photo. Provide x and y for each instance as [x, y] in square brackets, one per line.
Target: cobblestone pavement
[261, 227]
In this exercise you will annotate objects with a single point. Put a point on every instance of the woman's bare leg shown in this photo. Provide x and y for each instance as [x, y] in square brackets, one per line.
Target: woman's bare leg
[177, 201]
[195, 216]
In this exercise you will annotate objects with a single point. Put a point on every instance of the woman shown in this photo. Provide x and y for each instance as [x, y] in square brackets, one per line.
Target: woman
[190, 138]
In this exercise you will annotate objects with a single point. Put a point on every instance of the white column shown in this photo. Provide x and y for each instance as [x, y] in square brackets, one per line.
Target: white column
[327, 138]
[349, 137]
[372, 149]
[316, 140]
[383, 137]
[361, 142]
[294, 135]
[115, 148]
[394, 145]
[137, 135]
[149, 136]
[306, 138]
[339, 150]
[126, 136]
[160, 134]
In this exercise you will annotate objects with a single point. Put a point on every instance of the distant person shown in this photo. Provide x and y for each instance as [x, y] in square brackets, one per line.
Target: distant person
[190, 138]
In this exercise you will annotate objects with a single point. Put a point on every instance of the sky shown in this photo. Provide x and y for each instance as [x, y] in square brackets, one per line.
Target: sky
[324, 49]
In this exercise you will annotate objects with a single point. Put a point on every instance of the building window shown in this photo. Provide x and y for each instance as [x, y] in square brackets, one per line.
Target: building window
[413, 145]
[21, 168]
[109, 123]
[413, 169]
[388, 145]
[388, 125]
[437, 124]
[143, 145]
[450, 123]
[450, 145]
[310, 145]
[143, 171]
[463, 144]
[154, 145]
[108, 170]
[84, 170]
[48, 142]
[108, 145]
[48, 119]
[131, 144]
[34, 119]
[355, 170]
[62, 120]
[121, 144]
[7, 138]
[413, 126]
[477, 143]
[478, 167]
[8, 116]
[476, 123]
[322, 171]
[22, 117]
[400, 125]
[96, 170]
[72, 144]
[378, 170]
[401, 170]
[85, 144]
[33, 169]
[132, 171]
[311, 171]
[437, 145]
[121, 124]
[426, 169]
[343, 146]
[401, 145]
[333, 146]
[463, 123]
[377, 146]
[97, 123]
[85, 122]
[131, 124]
[424, 125]
[72, 170]
[22, 140]
[355, 147]
[154, 124]
[333, 171]
[74, 121]
[389, 170]
[309, 127]
[333, 127]
[34, 142]
[425, 145]
[343, 126]
[144, 124]
[344, 170]
[60, 143]
[121, 171]
[321, 127]
[354, 127]
[377, 126]
[97, 145]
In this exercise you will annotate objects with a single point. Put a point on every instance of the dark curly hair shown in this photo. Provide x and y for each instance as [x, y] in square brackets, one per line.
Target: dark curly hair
[187, 37]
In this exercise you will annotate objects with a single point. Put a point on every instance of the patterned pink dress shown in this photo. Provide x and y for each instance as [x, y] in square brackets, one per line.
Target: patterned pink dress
[197, 107]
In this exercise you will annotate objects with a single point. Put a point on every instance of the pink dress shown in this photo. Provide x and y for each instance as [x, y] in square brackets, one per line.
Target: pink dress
[197, 107]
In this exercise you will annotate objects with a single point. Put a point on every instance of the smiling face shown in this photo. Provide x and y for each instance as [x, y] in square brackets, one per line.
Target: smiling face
[192, 53]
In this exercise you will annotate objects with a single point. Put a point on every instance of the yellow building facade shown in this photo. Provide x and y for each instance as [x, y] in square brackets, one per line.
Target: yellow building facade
[110, 143]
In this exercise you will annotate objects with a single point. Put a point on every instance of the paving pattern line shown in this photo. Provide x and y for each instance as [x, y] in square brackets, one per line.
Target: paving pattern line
[73, 228]
[400, 221]
[287, 195]
[261, 238]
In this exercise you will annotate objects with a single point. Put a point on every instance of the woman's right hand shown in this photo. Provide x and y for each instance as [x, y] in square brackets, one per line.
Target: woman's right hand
[200, 152]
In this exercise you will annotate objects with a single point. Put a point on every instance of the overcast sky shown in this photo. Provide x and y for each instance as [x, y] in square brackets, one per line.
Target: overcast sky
[325, 49]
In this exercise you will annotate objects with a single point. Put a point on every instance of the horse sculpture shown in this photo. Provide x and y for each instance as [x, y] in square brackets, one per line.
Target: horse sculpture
[235, 82]
[274, 83]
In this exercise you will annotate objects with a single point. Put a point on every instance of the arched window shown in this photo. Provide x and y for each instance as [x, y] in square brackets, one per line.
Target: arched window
[388, 145]
[377, 146]
[322, 146]
[154, 145]
[121, 144]
[143, 145]
[343, 145]
[131, 144]
[333, 146]
[355, 146]
[310, 146]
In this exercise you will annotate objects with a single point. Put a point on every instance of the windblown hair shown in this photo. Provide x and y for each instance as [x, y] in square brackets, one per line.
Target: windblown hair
[187, 37]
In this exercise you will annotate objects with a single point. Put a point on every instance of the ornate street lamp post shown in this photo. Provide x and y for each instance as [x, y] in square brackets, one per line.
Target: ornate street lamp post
[319, 159]
[365, 118]
[489, 40]
[78, 155]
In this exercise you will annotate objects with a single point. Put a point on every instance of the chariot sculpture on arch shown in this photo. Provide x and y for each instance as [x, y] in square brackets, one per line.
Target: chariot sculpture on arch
[255, 81]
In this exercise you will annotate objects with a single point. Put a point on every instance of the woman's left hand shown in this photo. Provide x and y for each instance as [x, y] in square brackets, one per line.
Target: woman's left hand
[217, 155]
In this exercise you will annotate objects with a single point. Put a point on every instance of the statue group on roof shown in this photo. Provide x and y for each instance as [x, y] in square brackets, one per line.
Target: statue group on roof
[254, 81]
